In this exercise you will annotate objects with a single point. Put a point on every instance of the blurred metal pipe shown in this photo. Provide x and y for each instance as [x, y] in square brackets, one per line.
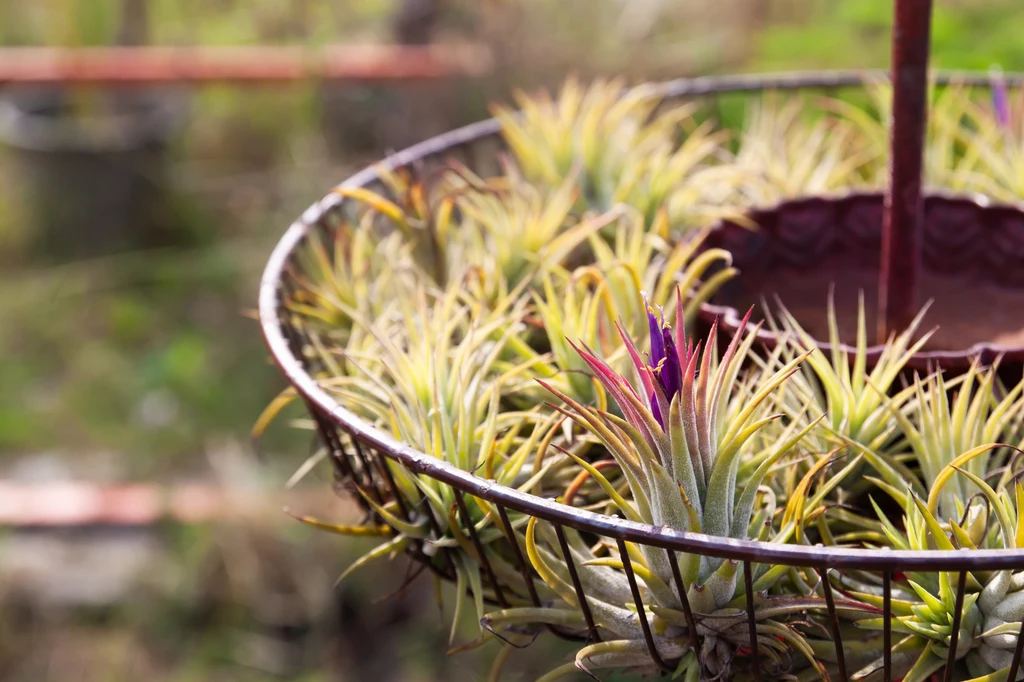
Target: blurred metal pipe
[81, 503]
[134, 66]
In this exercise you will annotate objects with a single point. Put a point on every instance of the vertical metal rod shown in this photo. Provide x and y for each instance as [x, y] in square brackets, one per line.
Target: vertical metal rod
[1017, 650]
[366, 470]
[389, 479]
[691, 622]
[837, 637]
[342, 467]
[518, 551]
[576, 584]
[901, 225]
[954, 638]
[460, 500]
[435, 527]
[755, 655]
[887, 626]
[627, 567]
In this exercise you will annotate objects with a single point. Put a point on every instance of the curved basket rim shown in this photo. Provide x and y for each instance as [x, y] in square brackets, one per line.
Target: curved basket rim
[547, 509]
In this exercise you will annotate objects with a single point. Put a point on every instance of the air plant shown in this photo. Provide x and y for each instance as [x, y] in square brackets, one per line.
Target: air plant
[839, 386]
[425, 371]
[953, 145]
[643, 259]
[788, 150]
[583, 304]
[621, 147]
[993, 140]
[948, 502]
[514, 230]
[353, 273]
[688, 417]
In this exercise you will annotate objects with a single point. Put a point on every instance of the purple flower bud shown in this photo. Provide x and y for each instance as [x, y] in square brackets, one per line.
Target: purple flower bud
[671, 374]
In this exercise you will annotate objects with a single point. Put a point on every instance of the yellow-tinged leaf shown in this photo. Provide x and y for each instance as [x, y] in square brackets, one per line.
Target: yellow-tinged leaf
[937, 534]
[392, 546]
[950, 470]
[375, 201]
[412, 530]
[1019, 491]
[620, 502]
[562, 588]
[356, 531]
[270, 412]
[1009, 536]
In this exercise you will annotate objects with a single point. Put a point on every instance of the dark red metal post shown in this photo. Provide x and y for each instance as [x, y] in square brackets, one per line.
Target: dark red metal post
[901, 229]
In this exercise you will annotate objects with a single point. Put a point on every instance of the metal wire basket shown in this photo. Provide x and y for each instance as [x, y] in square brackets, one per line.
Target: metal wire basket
[360, 450]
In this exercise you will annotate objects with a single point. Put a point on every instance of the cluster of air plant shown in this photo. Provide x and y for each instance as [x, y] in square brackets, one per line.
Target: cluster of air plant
[477, 287]
[841, 387]
[956, 486]
[626, 145]
[536, 330]
[789, 149]
[994, 140]
[623, 146]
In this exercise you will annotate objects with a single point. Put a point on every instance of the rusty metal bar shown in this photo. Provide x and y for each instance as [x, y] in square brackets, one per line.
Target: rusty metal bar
[901, 225]
[691, 622]
[524, 570]
[576, 584]
[342, 467]
[481, 554]
[755, 655]
[887, 626]
[638, 601]
[435, 529]
[259, 65]
[389, 479]
[1017, 650]
[366, 469]
[954, 638]
[837, 636]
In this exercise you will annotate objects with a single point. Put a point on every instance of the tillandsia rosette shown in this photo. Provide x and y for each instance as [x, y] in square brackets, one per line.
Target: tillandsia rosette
[957, 488]
[584, 303]
[994, 136]
[426, 371]
[789, 149]
[973, 137]
[839, 386]
[687, 420]
[623, 145]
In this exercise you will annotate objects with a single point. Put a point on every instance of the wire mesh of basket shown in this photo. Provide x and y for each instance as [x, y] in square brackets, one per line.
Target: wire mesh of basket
[365, 458]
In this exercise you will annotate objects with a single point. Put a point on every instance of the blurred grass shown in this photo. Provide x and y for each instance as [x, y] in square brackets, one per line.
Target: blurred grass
[148, 360]
[966, 34]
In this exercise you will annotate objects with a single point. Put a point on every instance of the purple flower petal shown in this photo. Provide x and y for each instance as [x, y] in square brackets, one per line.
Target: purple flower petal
[657, 340]
[656, 411]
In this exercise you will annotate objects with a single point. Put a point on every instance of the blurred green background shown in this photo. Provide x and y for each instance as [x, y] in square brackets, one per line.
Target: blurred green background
[145, 365]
